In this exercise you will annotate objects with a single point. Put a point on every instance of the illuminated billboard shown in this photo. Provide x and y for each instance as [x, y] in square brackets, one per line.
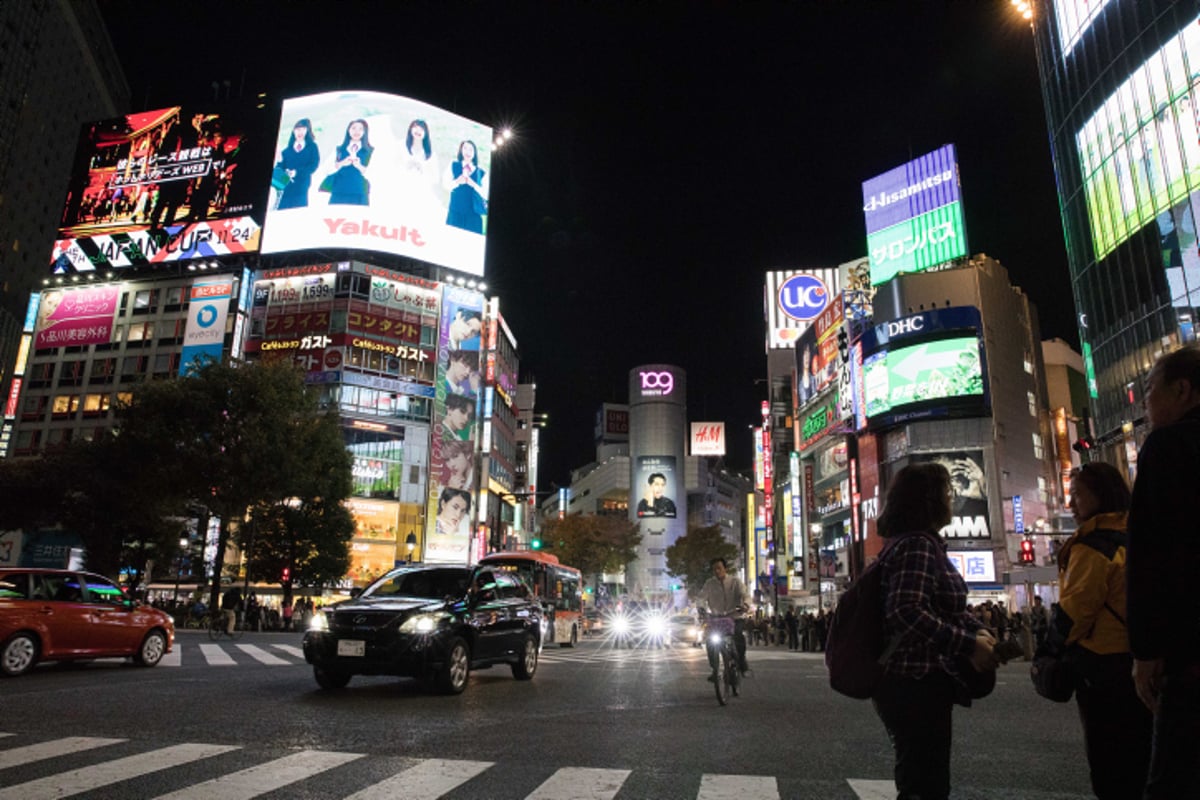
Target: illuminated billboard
[1140, 151]
[928, 364]
[1074, 17]
[969, 514]
[76, 317]
[914, 216]
[374, 171]
[708, 438]
[793, 299]
[656, 486]
[155, 186]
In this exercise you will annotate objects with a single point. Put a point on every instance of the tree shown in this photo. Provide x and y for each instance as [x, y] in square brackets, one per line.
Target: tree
[690, 556]
[231, 433]
[593, 543]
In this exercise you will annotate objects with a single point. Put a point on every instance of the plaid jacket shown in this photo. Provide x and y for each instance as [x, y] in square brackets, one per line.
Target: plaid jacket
[925, 610]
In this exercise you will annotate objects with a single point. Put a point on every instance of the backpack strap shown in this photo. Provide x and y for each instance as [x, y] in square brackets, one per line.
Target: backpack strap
[1107, 541]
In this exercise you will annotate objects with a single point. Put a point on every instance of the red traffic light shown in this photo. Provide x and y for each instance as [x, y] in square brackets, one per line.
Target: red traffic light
[1027, 554]
[285, 575]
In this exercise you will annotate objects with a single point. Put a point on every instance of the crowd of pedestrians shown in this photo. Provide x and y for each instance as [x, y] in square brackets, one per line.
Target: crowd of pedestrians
[251, 613]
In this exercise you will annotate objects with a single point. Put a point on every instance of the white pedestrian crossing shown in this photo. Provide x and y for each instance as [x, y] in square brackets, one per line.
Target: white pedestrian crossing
[581, 783]
[260, 655]
[428, 780]
[735, 787]
[263, 778]
[291, 650]
[216, 656]
[43, 750]
[77, 781]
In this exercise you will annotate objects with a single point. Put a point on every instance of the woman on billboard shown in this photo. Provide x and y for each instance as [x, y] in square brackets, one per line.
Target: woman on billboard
[348, 186]
[468, 190]
[419, 169]
[299, 160]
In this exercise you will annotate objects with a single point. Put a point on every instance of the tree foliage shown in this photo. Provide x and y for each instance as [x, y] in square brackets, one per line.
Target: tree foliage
[593, 543]
[690, 556]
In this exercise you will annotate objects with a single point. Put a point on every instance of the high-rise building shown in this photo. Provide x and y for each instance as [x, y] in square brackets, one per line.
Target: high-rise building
[1121, 84]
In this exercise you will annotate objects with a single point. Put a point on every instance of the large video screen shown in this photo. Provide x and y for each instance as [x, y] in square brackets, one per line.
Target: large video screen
[159, 186]
[1074, 17]
[919, 373]
[1140, 151]
[374, 171]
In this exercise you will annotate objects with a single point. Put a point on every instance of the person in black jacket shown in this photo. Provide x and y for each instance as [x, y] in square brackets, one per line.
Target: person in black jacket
[1163, 555]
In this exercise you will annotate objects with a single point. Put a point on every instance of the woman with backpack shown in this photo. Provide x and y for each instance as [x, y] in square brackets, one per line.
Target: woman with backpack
[1090, 617]
[933, 641]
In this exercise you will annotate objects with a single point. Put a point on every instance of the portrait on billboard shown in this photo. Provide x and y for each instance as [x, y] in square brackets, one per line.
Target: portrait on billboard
[462, 374]
[458, 423]
[454, 512]
[657, 486]
[969, 506]
[76, 317]
[376, 171]
[458, 465]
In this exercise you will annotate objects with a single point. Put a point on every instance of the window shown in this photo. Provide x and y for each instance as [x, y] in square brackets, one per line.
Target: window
[145, 301]
[1028, 364]
[1032, 404]
[35, 407]
[133, 366]
[1038, 451]
[41, 375]
[141, 331]
[165, 364]
[95, 405]
[1042, 494]
[102, 590]
[103, 370]
[65, 406]
[175, 296]
[71, 373]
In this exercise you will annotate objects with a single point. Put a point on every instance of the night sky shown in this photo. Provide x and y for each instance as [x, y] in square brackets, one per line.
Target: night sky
[666, 156]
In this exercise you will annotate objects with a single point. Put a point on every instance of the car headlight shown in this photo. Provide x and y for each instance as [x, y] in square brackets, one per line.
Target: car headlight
[421, 623]
[621, 624]
[656, 626]
[319, 622]
[691, 633]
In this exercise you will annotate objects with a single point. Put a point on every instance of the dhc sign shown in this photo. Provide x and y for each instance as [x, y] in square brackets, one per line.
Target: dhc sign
[803, 297]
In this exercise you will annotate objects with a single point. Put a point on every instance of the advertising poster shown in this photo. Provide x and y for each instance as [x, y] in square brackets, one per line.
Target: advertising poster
[76, 317]
[708, 438]
[969, 512]
[975, 566]
[1140, 151]
[374, 171]
[452, 456]
[204, 337]
[157, 186]
[656, 486]
[938, 370]
[794, 299]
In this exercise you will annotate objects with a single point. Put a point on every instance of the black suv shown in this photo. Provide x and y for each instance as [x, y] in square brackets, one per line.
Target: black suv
[434, 623]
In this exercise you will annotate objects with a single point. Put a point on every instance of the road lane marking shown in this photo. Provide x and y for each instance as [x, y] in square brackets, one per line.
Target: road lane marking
[579, 783]
[264, 778]
[872, 790]
[173, 658]
[85, 779]
[51, 749]
[428, 780]
[216, 656]
[262, 656]
[737, 787]
[290, 649]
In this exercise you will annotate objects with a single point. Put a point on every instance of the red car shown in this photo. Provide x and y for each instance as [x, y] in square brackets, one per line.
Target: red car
[58, 615]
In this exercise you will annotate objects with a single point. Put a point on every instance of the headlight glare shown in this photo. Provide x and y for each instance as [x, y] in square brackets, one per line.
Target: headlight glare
[319, 622]
[421, 623]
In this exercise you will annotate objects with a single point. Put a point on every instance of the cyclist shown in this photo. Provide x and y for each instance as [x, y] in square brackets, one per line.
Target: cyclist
[231, 604]
[725, 594]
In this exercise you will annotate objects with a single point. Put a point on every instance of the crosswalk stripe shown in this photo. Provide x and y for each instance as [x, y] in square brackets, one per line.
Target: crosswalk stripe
[173, 658]
[290, 649]
[428, 780]
[260, 655]
[738, 787]
[51, 749]
[872, 790]
[216, 656]
[264, 778]
[579, 783]
[85, 779]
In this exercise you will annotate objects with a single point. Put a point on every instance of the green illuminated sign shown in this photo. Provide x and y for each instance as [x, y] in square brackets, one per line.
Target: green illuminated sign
[930, 371]
[1090, 369]
[819, 421]
[917, 244]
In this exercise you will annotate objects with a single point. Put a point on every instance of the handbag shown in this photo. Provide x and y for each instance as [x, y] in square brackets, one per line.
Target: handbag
[1054, 674]
[279, 178]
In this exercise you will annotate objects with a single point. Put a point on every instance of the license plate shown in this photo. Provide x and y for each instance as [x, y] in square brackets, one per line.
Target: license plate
[352, 647]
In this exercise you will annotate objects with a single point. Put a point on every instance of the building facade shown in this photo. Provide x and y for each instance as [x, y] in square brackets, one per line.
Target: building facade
[1121, 85]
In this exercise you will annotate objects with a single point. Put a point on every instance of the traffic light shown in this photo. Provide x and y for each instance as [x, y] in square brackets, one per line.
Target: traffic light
[1084, 445]
[535, 544]
[285, 575]
[1027, 555]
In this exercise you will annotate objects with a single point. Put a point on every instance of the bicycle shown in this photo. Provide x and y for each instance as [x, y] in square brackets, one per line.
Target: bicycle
[719, 633]
[217, 626]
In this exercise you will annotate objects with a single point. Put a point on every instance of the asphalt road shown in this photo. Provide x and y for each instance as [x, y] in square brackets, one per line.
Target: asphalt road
[246, 719]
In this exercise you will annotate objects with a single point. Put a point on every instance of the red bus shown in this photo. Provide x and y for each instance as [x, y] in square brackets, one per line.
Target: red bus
[559, 587]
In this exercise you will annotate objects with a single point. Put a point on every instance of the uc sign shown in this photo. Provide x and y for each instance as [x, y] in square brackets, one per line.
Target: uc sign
[803, 297]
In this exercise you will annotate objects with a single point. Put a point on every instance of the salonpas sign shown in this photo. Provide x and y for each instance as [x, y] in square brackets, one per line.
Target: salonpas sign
[917, 244]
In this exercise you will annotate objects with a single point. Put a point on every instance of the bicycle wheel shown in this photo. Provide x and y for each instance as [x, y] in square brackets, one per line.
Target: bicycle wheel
[719, 678]
[733, 675]
[215, 628]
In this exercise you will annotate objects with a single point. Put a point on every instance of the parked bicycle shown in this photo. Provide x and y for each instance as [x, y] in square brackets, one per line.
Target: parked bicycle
[218, 626]
[719, 633]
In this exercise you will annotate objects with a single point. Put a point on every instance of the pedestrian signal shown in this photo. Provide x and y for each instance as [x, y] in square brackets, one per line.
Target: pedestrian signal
[1027, 554]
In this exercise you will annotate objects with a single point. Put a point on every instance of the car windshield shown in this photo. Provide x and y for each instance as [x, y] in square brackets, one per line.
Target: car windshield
[431, 583]
[682, 620]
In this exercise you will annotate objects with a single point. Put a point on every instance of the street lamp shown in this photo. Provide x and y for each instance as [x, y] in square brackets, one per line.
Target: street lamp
[410, 542]
[183, 544]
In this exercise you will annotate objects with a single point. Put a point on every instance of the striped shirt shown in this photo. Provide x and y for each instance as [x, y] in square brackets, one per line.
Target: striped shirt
[926, 607]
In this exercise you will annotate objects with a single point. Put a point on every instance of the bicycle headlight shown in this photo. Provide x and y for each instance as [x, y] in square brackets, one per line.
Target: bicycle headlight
[715, 638]
[319, 622]
[420, 623]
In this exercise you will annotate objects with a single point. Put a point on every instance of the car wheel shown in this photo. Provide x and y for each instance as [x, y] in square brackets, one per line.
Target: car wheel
[153, 648]
[452, 678]
[19, 654]
[331, 678]
[574, 638]
[523, 670]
